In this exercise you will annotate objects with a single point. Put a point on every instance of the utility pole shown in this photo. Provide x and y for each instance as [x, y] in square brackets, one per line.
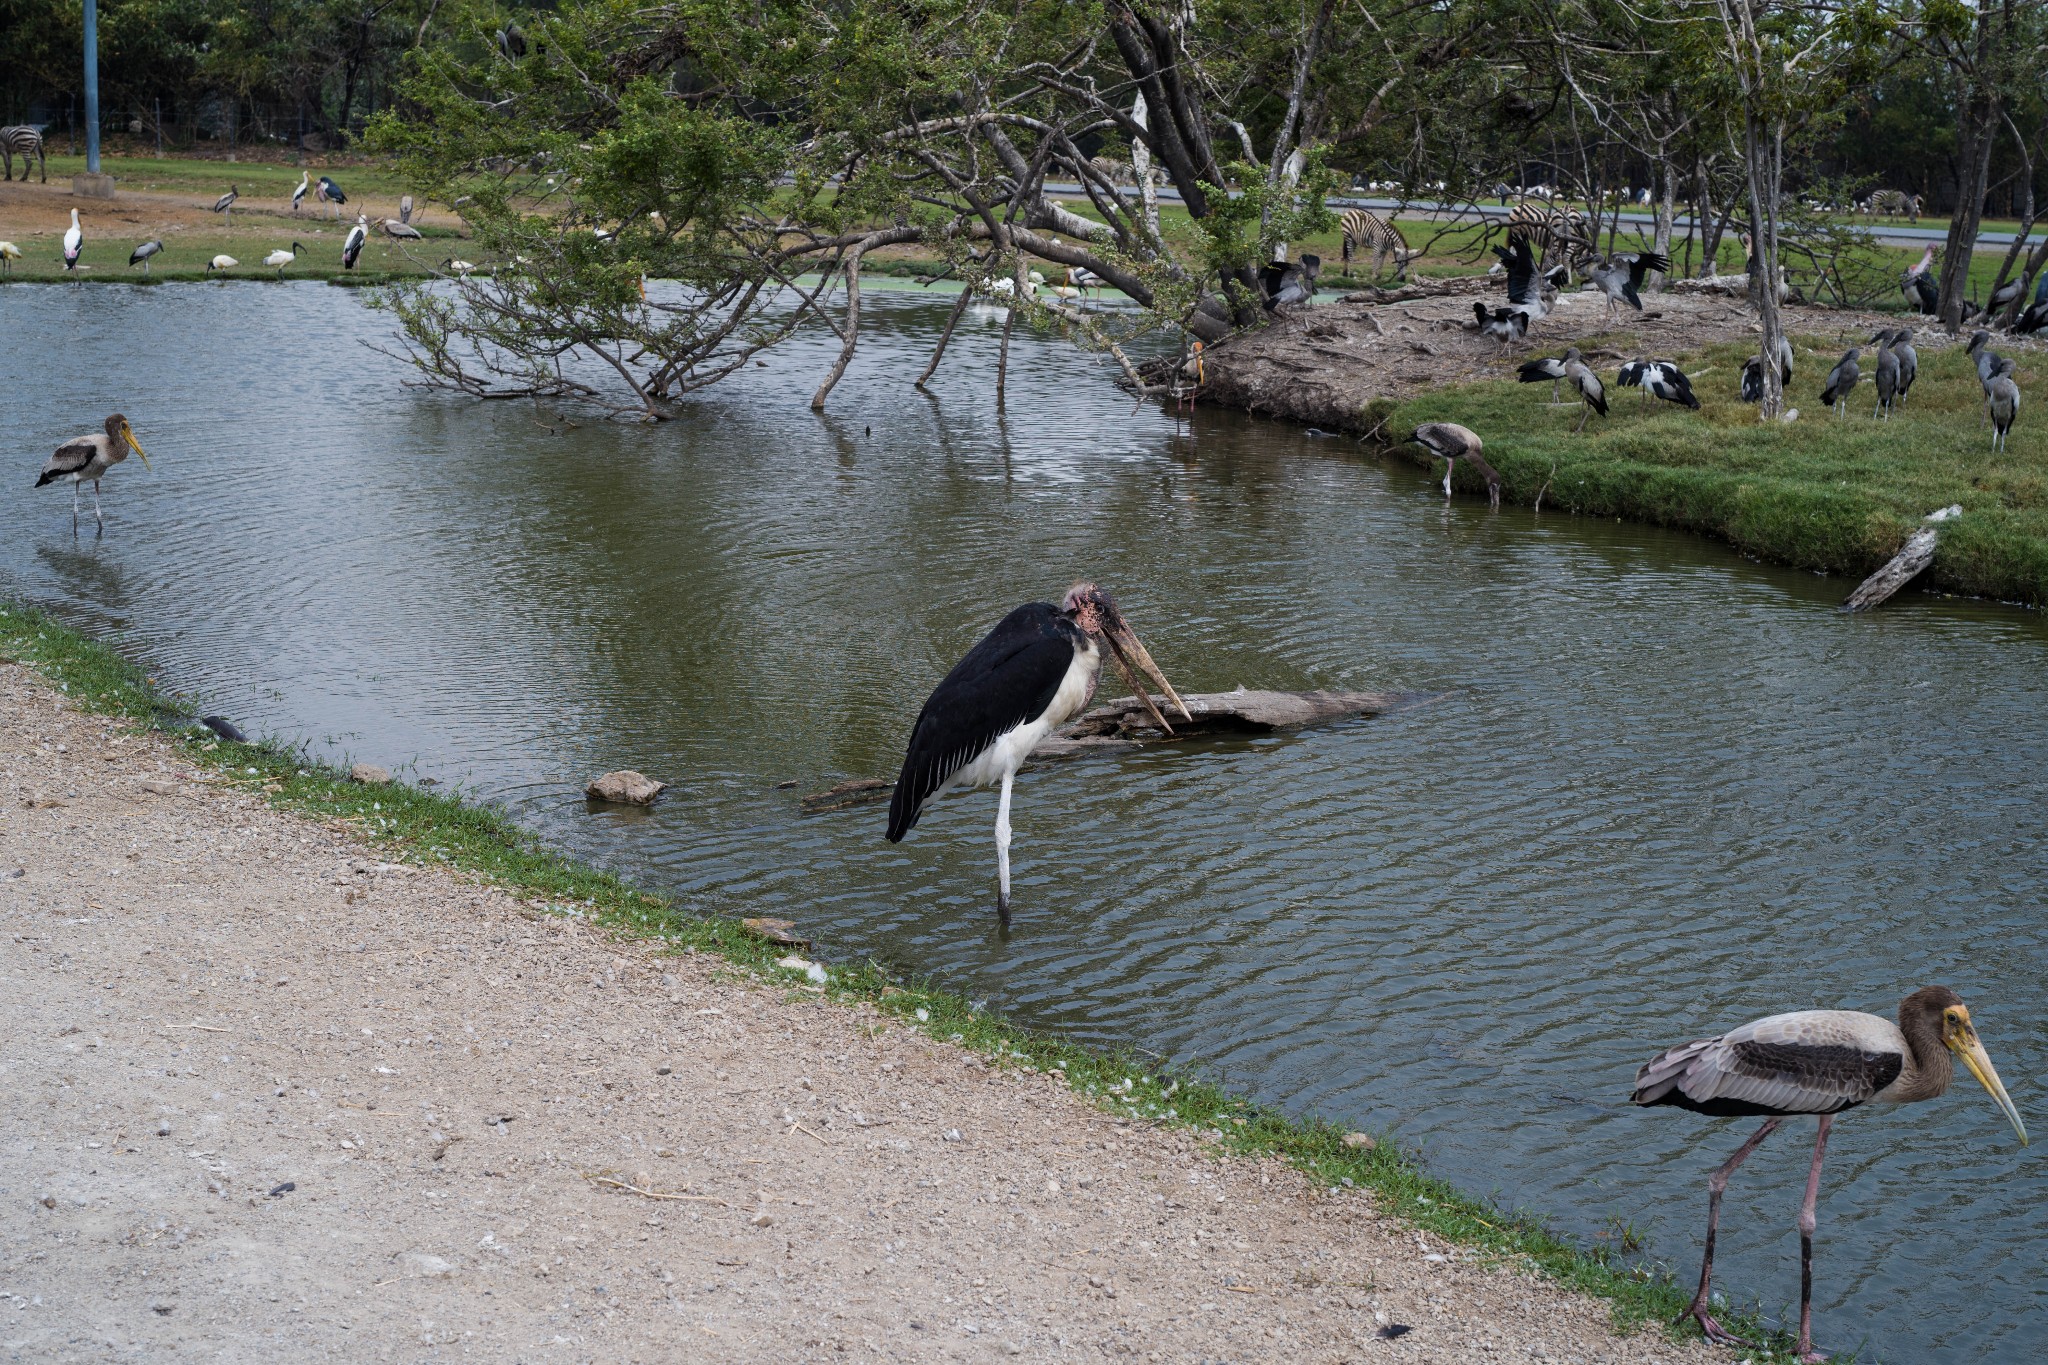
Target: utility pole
[92, 184]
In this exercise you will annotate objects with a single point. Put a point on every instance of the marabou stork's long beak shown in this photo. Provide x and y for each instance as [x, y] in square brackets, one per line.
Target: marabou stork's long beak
[128, 435]
[1125, 647]
[1962, 1040]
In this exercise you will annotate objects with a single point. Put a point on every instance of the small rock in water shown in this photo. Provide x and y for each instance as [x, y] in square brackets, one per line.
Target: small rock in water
[224, 727]
[624, 788]
[369, 774]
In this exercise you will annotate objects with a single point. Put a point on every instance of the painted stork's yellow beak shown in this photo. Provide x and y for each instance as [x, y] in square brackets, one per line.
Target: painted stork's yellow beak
[1961, 1037]
[128, 435]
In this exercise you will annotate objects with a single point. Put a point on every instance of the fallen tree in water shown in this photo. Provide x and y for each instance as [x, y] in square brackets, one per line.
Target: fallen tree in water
[1125, 723]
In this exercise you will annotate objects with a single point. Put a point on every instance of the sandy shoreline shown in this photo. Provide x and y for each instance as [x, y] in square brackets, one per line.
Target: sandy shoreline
[205, 999]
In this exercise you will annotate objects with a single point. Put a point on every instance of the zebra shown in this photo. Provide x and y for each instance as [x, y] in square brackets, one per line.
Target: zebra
[27, 141]
[1553, 231]
[1362, 228]
[1892, 203]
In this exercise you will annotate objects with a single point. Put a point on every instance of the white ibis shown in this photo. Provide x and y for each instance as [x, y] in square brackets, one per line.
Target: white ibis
[1026, 678]
[89, 457]
[9, 254]
[1620, 276]
[1819, 1062]
[1659, 379]
[1922, 295]
[325, 191]
[74, 243]
[2003, 396]
[299, 194]
[352, 245]
[221, 262]
[282, 258]
[1504, 325]
[1456, 443]
[140, 256]
[455, 267]
[225, 205]
[1842, 379]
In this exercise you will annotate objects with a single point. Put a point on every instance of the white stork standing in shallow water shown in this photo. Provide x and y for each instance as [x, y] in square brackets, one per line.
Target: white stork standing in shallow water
[89, 457]
[1030, 675]
[74, 243]
[1817, 1062]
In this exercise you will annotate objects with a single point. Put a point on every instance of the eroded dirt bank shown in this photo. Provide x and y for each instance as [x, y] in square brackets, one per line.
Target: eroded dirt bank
[271, 1099]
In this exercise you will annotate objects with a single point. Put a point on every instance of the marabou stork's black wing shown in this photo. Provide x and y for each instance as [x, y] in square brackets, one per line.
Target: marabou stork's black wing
[1007, 679]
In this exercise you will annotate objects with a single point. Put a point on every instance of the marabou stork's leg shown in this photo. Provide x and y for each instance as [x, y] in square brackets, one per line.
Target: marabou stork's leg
[1807, 1223]
[1003, 853]
[1717, 1183]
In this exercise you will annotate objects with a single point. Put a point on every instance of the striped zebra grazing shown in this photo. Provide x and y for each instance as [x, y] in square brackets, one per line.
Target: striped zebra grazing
[1547, 226]
[1363, 228]
[1892, 203]
[29, 143]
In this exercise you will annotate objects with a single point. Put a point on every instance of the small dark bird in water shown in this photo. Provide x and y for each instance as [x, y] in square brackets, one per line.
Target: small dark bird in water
[225, 728]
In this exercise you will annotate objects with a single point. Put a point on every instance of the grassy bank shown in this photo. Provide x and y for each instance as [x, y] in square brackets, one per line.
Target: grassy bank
[409, 824]
[1837, 495]
[187, 251]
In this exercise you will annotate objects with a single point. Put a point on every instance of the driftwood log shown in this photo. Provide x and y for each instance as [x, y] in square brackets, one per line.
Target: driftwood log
[1122, 723]
[1903, 567]
[1428, 289]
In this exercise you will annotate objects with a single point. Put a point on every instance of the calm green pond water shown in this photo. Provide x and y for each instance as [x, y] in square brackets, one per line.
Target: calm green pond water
[1664, 791]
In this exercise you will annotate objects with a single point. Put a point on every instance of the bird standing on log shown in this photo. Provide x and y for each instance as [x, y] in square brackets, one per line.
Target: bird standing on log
[1030, 675]
[1842, 379]
[1456, 443]
[89, 457]
[1819, 1062]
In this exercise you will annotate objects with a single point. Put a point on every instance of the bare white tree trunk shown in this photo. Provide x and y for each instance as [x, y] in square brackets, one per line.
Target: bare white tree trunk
[1667, 214]
[1141, 166]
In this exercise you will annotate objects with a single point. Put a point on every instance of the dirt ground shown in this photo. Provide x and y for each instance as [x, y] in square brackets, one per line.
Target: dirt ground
[31, 210]
[1325, 366]
[269, 1099]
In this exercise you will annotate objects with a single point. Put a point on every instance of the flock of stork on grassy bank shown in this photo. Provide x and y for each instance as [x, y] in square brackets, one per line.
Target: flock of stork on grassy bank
[1040, 665]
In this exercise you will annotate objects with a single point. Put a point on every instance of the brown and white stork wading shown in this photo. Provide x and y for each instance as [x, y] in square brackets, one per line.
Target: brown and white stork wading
[1030, 675]
[1456, 443]
[1818, 1062]
[87, 458]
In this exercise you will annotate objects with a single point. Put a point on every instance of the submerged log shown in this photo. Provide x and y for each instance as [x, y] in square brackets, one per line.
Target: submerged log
[1903, 567]
[1123, 723]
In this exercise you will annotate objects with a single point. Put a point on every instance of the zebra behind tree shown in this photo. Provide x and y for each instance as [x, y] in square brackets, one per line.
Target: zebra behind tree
[28, 142]
[1363, 228]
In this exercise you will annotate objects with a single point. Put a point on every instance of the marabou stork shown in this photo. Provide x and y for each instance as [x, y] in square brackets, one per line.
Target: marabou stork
[9, 254]
[2002, 396]
[225, 205]
[1504, 325]
[1620, 276]
[352, 245]
[1922, 294]
[1887, 378]
[299, 194]
[1817, 1062]
[1842, 379]
[326, 191]
[1659, 379]
[74, 243]
[221, 262]
[90, 457]
[142, 254]
[1456, 443]
[282, 258]
[1029, 676]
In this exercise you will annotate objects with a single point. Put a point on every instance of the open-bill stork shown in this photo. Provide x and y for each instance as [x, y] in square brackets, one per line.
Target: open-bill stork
[1817, 1062]
[2002, 396]
[74, 243]
[225, 205]
[299, 194]
[1456, 443]
[1546, 367]
[1030, 675]
[1659, 379]
[1909, 361]
[399, 232]
[1887, 377]
[1842, 380]
[1529, 293]
[1504, 325]
[140, 256]
[1620, 276]
[2034, 319]
[89, 457]
[325, 191]
[352, 245]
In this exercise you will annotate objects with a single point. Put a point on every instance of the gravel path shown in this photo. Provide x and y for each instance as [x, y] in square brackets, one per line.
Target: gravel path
[269, 1098]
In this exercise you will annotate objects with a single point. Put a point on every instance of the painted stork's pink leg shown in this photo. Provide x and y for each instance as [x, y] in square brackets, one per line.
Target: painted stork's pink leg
[1808, 1221]
[1717, 1184]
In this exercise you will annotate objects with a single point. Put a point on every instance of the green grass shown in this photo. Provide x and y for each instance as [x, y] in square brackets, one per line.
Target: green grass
[410, 824]
[259, 181]
[1838, 495]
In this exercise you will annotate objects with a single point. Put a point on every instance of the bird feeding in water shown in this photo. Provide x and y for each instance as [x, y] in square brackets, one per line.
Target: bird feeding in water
[1030, 675]
[89, 457]
[1456, 443]
[1819, 1062]
[143, 253]
[282, 258]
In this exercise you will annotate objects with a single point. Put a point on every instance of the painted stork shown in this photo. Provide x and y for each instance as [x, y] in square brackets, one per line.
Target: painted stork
[89, 457]
[1659, 379]
[2003, 398]
[325, 191]
[1817, 1062]
[1504, 325]
[1620, 276]
[1887, 377]
[225, 205]
[1456, 443]
[142, 254]
[1027, 677]
[1922, 294]
[352, 245]
[282, 258]
[9, 254]
[399, 232]
[221, 262]
[1842, 379]
[74, 243]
